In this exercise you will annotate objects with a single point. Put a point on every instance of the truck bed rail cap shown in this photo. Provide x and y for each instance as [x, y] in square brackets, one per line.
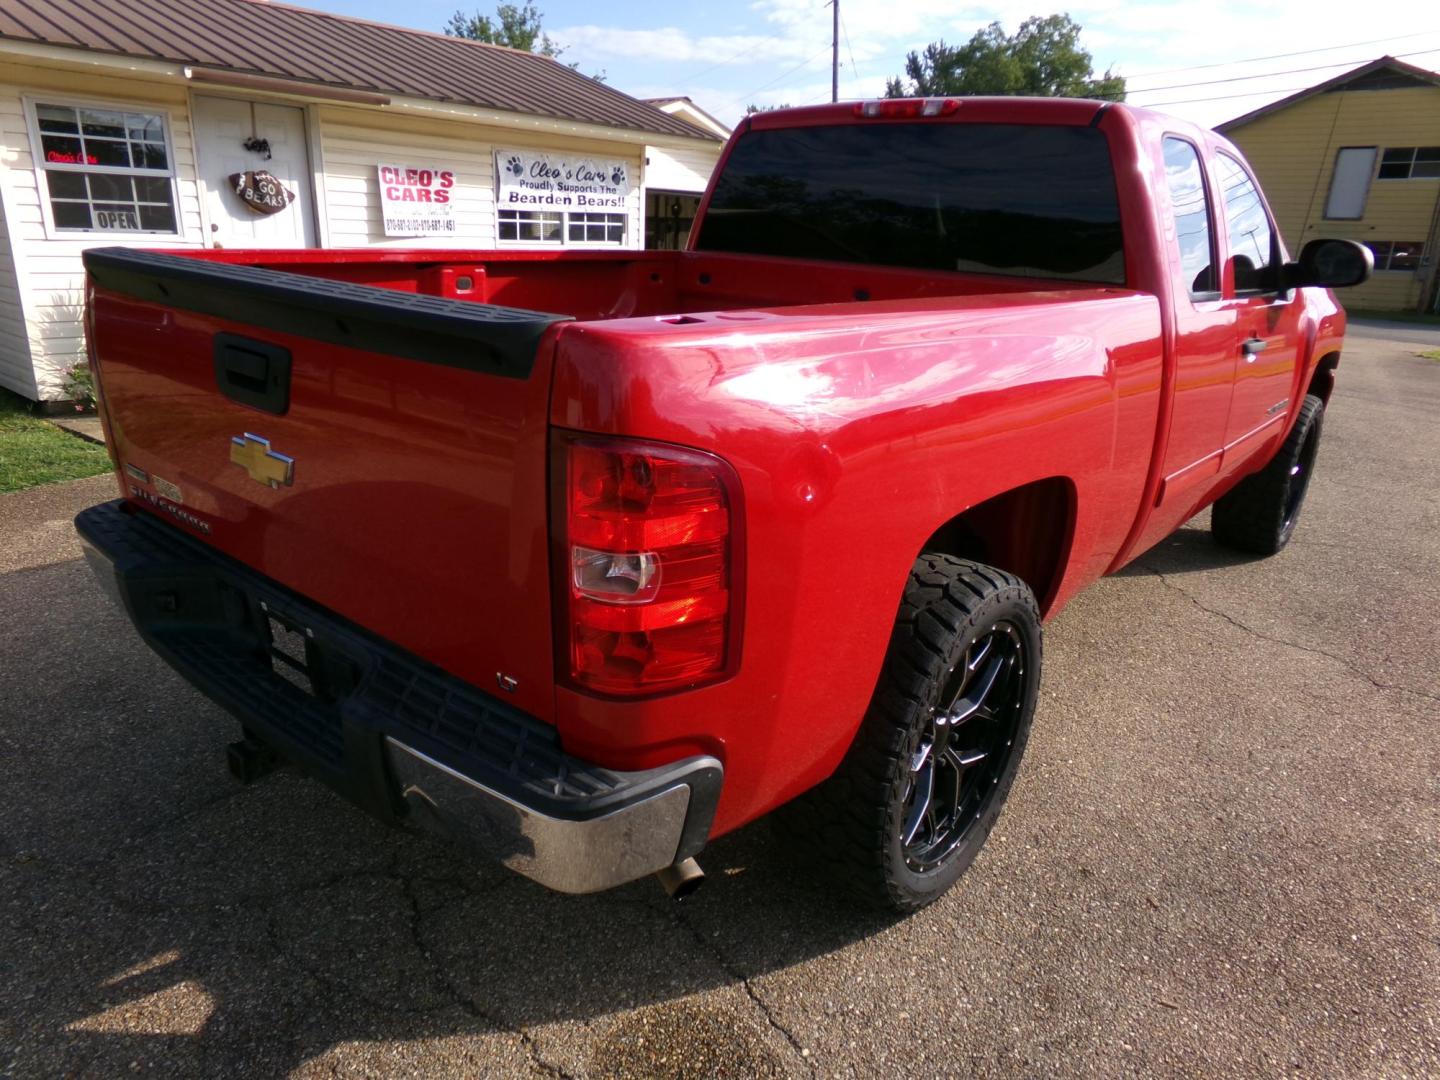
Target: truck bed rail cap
[431, 329]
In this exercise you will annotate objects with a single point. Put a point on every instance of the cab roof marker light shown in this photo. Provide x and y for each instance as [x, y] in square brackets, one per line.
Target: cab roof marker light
[893, 108]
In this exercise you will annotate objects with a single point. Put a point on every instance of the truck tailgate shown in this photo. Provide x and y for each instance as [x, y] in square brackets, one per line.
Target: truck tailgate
[381, 453]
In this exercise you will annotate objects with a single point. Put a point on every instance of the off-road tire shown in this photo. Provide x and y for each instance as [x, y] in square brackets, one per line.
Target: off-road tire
[852, 822]
[1259, 514]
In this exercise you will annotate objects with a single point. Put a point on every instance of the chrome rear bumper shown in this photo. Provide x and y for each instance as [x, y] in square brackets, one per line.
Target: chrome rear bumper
[573, 854]
[407, 741]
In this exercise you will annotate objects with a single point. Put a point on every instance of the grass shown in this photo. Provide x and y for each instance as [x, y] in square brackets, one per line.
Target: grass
[1420, 318]
[34, 451]
[1433, 354]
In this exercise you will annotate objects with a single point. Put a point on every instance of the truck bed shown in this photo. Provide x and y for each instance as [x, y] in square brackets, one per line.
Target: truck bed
[601, 285]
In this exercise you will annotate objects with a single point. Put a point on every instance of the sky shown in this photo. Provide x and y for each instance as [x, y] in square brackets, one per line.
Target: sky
[1207, 63]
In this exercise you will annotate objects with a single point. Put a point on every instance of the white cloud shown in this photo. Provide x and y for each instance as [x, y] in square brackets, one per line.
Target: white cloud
[673, 45]
[873, 28]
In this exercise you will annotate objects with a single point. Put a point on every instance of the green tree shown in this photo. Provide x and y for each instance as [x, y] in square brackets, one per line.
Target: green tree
[513, 26]
[751, 110]
[1042, 59]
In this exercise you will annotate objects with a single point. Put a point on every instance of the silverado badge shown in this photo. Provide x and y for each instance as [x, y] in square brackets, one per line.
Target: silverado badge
[265, 466]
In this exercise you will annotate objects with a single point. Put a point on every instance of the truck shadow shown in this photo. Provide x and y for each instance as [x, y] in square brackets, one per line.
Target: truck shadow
[164, 915]
[1190, 549]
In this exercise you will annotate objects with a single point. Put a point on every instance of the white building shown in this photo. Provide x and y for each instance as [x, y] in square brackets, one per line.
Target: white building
[678, 176]
[136, 124]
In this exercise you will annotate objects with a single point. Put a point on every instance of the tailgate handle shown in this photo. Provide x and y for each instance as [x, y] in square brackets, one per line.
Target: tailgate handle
[254, 373]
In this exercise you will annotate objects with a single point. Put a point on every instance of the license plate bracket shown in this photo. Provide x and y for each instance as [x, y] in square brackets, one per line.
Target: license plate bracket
[291, 651]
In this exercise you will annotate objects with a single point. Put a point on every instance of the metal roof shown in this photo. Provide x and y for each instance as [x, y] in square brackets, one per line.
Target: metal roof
[1417, 75]
[687, 104]
[281, 41]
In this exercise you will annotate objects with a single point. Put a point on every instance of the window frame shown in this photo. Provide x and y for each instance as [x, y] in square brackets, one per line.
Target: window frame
[586, 223]
[1379, 153]
[564, 242]
[1420, 257]
[1216, 270]
[40, 167]
[1278, 253]
[546, 244]
[1410, 166]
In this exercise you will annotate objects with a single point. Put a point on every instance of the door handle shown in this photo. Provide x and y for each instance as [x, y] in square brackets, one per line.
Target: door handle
[1253, 347]
[254, 373]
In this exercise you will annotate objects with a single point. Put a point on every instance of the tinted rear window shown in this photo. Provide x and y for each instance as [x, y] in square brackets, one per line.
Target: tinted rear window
[988, 198]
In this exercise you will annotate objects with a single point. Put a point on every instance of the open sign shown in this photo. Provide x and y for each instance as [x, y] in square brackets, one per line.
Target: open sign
[117, 219]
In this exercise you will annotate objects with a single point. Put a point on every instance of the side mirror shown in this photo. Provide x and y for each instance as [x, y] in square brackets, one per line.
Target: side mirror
[1331, 264]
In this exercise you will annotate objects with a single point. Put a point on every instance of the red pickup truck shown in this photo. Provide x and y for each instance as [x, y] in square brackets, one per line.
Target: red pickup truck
[586, 557]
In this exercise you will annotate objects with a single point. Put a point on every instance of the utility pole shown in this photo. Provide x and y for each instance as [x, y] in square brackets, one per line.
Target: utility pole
[835, 52]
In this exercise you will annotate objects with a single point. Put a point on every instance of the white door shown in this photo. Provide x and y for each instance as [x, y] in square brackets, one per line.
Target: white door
[222, 127]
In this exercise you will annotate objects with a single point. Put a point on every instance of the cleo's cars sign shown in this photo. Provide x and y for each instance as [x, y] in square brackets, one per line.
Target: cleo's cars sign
[541, 181]
[417, 201]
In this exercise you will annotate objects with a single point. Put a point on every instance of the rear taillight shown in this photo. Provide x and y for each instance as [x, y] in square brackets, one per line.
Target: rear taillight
[647, 564]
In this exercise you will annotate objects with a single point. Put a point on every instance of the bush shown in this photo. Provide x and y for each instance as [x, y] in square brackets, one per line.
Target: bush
[78, 385]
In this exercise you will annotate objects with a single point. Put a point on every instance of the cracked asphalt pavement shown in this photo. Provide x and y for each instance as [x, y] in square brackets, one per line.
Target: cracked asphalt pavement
[1221, 857]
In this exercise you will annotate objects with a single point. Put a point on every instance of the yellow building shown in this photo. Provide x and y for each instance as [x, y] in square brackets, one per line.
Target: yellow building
[1358, 157]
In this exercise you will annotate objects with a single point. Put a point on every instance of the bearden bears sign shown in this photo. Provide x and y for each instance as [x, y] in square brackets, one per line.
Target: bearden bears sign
[531, 180]
[417, 201]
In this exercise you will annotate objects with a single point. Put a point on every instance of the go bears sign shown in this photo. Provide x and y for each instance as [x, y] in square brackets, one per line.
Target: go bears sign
[417, 201]
[528, 180]
[259, 190]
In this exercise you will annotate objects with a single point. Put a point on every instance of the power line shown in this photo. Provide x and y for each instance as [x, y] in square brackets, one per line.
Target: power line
[781, 77]
[1245, 78]
[728, 60]
[853, 69]
[1223, 97]
[1283, 56]
[1268, 74]
[750, 48]
[1149, 89]
[770, 38]
[1214, 82]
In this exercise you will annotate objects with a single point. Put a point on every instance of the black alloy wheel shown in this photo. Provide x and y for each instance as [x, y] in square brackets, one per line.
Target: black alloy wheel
[1259, 513]
[1299, 477]
[939, 747]
[956, 768]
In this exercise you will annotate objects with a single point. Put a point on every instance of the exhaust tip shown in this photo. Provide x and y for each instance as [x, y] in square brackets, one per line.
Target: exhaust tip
[682, 879]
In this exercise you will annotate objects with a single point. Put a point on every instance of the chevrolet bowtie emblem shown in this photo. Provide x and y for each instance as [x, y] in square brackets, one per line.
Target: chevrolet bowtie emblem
[265, 466]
